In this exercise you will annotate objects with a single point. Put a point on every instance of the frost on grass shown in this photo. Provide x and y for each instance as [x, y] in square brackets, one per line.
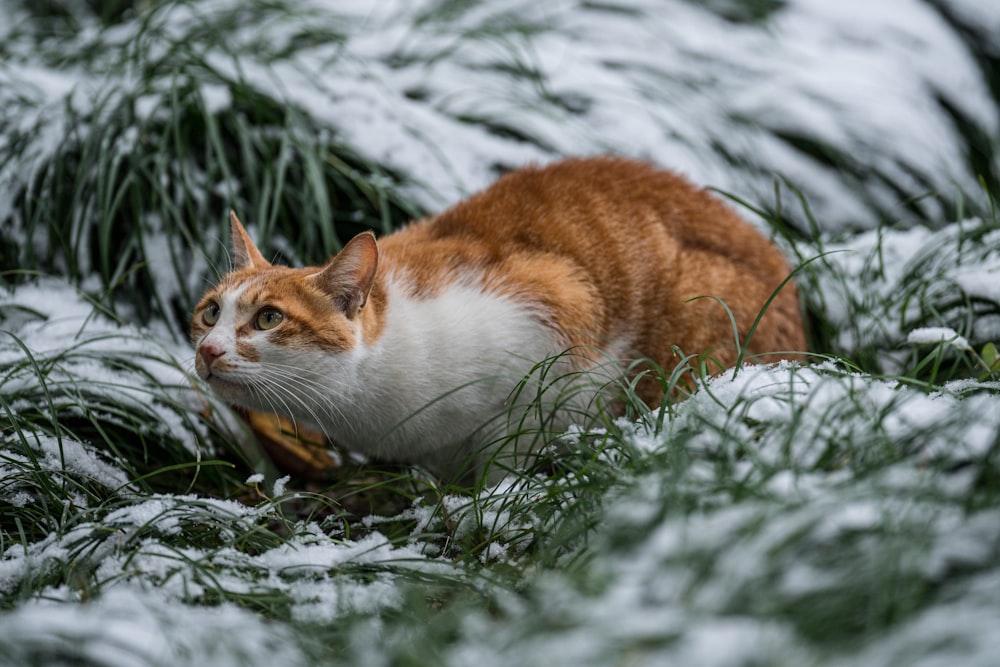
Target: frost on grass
[875, 288]
[61, 354]
[648, 78]
[52, 455]
[91, 408]
[146, 544]
[129, 627]
[785, 513]
[444, 96]
[932, 335]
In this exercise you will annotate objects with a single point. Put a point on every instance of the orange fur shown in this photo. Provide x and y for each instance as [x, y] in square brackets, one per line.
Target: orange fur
[609, 249]
[602, 253]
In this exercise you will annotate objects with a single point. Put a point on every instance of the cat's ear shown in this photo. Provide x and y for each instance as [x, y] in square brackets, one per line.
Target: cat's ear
[245, 253]
[348, 277]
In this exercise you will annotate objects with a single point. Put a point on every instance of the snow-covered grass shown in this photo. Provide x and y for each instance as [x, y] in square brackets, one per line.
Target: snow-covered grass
[841, 512]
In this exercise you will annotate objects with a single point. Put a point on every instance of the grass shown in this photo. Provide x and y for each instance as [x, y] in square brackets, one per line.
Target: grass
[129, 199]
[92, 413]
[840, 512]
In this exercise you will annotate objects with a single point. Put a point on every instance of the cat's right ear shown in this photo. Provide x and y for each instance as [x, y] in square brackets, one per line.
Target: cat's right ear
[348, 277]
[245, 253]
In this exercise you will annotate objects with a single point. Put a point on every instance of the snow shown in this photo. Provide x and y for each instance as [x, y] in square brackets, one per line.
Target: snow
[279, 485]
[932, 335]
[977, 16]
[400, 83]
[128, 627]
[674, 564]
[878, 286]
[66, 454]
[86, 354]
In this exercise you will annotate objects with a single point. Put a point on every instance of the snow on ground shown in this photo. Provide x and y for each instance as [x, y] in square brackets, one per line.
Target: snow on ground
[664, 586]
[673, 588]
[648, 78]
[75, 351]
[126, 627]
[431, 93]
[877, 287]
[931, 335]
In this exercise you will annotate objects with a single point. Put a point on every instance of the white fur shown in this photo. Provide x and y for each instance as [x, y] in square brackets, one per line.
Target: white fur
[443, 368]
[433, 389]
[228, 367]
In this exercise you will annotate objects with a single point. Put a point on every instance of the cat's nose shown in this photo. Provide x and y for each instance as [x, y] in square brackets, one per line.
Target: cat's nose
[209, 353]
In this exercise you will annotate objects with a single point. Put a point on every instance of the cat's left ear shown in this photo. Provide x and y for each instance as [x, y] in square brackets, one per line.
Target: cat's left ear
[348, 277]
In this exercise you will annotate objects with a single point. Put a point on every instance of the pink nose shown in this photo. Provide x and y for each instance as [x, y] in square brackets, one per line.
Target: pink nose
[209, 353]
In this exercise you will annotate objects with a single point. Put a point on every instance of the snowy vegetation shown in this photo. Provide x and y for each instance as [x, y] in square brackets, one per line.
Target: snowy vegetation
[842, 512]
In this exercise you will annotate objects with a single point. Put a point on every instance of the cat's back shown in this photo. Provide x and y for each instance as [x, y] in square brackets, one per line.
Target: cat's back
[613, 216]
[613, 250]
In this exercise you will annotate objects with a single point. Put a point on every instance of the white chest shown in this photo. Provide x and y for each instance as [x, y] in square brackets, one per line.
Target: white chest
[441, 372]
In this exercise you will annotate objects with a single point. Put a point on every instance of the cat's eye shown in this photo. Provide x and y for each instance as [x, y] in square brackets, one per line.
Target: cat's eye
[268, 319]
[211, 314]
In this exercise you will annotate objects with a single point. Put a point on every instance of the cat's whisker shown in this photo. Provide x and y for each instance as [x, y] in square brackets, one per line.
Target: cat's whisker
[294, 381]
[285, 410]
[298, 374]
[303, 374]
[262, 390]
[319, 404]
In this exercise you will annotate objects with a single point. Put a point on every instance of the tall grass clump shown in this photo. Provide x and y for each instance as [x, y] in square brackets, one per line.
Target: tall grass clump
[94, 413]
[913, 278]
[162, 136]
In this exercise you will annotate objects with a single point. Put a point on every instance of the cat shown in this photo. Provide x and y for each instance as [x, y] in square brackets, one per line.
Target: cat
[409, 347]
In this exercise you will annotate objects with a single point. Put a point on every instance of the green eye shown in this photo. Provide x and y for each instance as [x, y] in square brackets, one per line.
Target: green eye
[268, 319]
[211, 314]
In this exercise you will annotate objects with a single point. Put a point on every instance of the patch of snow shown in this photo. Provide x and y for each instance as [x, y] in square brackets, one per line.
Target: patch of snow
[877, 286]
[935, 335]
[126, 627]
[280, 484]
[90, 355]
[445, 97]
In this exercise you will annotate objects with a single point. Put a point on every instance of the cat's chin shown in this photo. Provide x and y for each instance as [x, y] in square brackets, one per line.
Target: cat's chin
[227, 389]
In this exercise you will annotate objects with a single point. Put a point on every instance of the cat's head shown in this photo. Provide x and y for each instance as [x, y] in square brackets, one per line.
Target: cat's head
[262, 323]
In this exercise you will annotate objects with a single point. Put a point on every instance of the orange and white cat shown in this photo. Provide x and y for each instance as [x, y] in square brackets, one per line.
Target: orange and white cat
[408, 348]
